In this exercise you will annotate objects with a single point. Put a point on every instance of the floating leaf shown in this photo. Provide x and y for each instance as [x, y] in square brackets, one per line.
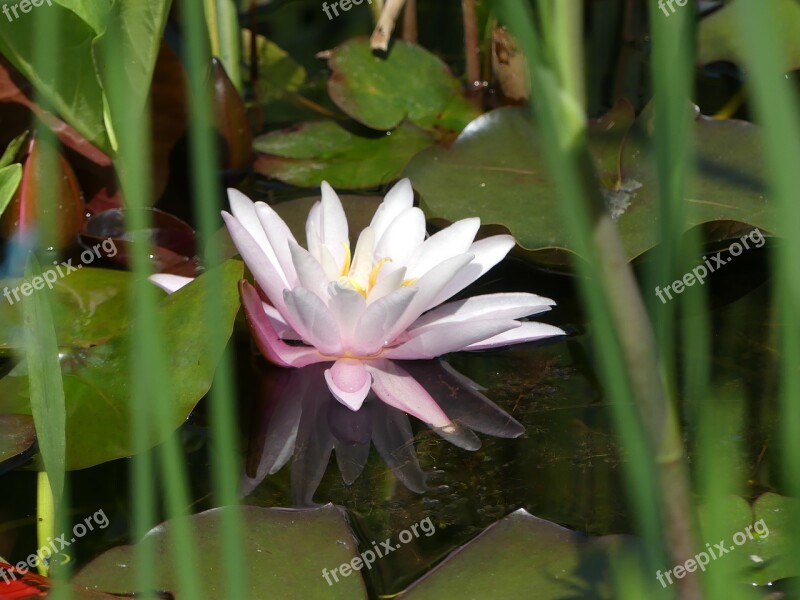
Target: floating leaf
[97, 379]
[495, 170]
[90, 306]
[285, 549]
[278, 73]
[522, 556]
[410, 83]
[309, 153]
[17, 434]
[719, 37]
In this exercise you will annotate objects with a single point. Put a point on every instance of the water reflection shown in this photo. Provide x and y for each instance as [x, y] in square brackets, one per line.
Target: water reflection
[297, 417]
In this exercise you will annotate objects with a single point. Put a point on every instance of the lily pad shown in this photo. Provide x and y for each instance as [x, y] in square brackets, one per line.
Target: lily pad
[89, 307]
[522, 556]
[278, 73]
[312, 152]
[286, 552]
[496, 170]
[719, 37]
[409, 83]
[17, 434]
[97, 379]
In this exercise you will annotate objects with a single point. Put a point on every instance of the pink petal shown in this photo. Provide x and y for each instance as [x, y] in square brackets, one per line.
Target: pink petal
[271, 346]
[491, 306]
[397, 200]
[448, 242]
[488, 252]
[450, 337]
[310, 317]
[397, 388]
[529, 331]
[170, 283]
[349, 382]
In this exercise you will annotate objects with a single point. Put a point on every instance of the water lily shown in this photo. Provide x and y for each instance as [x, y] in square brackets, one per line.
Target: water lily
[363, 308]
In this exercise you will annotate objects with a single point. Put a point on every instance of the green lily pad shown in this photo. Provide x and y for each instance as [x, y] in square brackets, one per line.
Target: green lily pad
[496, 170]
[286, 552]
[97, 379]
[278, 73]
[410, 83]
[90, 306]
[10, 177]
[17, 434]
[719, 38]
[522, 556]
[309, 153]
[775, 551]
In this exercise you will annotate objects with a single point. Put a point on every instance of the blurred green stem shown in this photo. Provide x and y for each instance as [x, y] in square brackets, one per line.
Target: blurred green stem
[225, 37]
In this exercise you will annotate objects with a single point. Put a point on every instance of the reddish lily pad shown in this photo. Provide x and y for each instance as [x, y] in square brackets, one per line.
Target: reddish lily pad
[285, 550]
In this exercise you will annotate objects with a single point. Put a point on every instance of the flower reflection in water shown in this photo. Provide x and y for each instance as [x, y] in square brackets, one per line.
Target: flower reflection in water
[298, 418]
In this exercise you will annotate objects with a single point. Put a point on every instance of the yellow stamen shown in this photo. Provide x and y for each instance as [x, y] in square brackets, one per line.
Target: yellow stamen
[347, 258]
[408, 282]
[373, 276]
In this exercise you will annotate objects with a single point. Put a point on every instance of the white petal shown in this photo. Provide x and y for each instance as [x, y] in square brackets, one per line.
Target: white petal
[347, 307]
[448, 242]
[397, 388]
[312, 320]
[402, 237]
[489, 306]
[278, 235]
[527, 332]
[386, 284]
[244, 211]
[429, 286]
[313, 223]
[397, 200]
[488, 252]
[264, 271]
[169, 283]
[450, 337]
[310, 274]
[333, 224]
[279, 324]
[372, 331]
[363, 256]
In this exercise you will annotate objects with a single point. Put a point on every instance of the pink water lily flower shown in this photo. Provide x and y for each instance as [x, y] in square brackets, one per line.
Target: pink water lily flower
[365, 307]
